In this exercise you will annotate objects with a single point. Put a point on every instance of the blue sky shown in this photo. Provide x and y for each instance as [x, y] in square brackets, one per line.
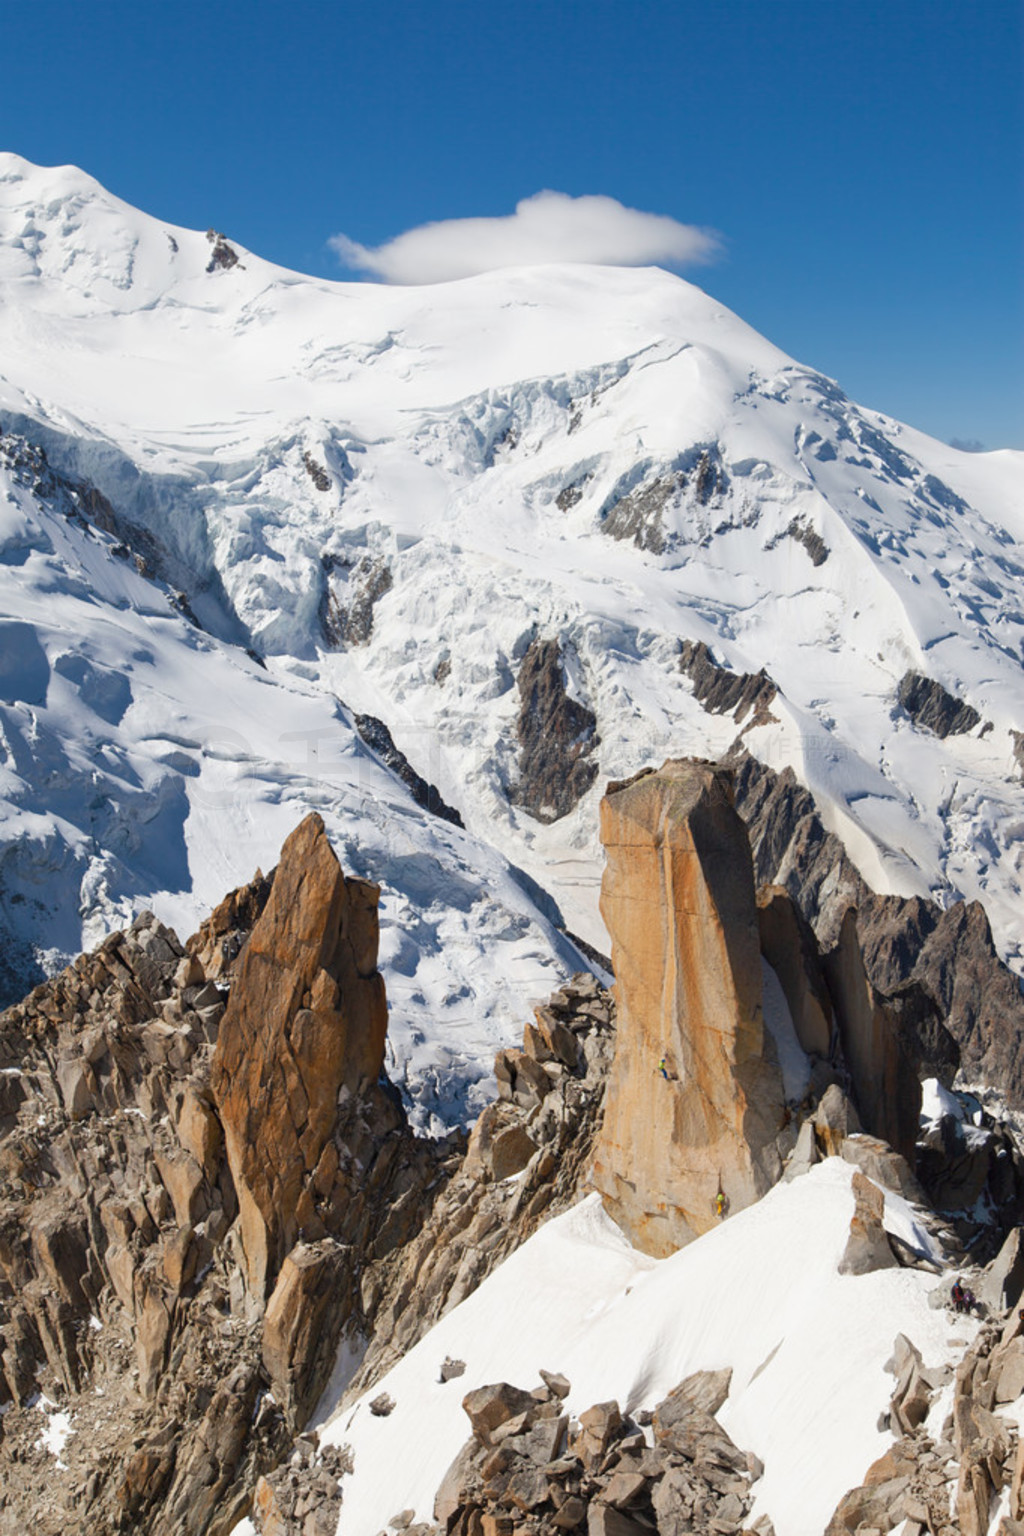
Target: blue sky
[862, 161]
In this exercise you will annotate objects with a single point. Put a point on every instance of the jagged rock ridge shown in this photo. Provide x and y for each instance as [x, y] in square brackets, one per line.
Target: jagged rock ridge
[930, 705]
[127, 1137]
[723, 692]
[377, 737]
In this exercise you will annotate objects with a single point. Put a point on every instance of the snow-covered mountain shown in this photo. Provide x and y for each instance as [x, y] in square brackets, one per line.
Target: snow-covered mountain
[386, 502]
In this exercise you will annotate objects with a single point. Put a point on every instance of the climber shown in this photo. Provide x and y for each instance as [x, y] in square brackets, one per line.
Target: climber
[663, 1068]
[721, 1205]
[958, 1296]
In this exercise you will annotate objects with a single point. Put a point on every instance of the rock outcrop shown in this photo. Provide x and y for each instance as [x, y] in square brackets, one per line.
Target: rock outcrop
[305, 1022]
[678, 900]
[867, 1247]
[976, 1000]
[129, 1295]
[934, 708]
[947, 1486]
[557, 736]
[727, 693]
[116, 1268]
[379, 739]
[217, 1332]
[638, 515]
[530, 1468]
[971, 1166]
[350, 596]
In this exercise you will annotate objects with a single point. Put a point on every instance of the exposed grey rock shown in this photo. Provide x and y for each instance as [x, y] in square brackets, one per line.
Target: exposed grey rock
[930, 705]
[316, 472]
[881, 1164]
[223, 256]
[912, 1395]
[378, 738]
[705, 1390]
[350, 594]
[637, 516]
[790, 948]
[835, 1119]
[557, 737]
[804, 1154]
[556, 1383]
[885, 1084]
[300, 1320]
[723, 692]
[801, 531]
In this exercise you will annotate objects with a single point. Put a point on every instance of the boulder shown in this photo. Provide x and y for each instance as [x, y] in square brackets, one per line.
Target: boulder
[605, 1520]
[199, 1129]
[867, 1247]
[678, 900]
[834, 1120]
[499, 1145]
[598, 1427]
[1010, 1381]
[489, 1407]
[557, 1384]
[301, 1314]
[559, 1041]
[706, 1390]
[912, 1396]
[804, 1155]
[884, 1166]
[696, 1435]
[77, 1086]
[306, 1018]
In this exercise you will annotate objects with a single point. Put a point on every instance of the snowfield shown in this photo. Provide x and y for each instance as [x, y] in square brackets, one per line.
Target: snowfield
[760, 1294]
[386, 494]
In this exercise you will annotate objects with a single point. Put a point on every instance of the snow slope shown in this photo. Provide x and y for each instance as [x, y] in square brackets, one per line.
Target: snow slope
[760, 1294]
[476, 442]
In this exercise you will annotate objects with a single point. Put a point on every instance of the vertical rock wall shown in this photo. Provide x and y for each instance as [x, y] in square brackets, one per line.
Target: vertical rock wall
[883, 1075]
[678, 899]
[307, 1019]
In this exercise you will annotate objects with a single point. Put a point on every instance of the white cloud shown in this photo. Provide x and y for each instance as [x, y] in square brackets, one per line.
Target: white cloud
[548, 227]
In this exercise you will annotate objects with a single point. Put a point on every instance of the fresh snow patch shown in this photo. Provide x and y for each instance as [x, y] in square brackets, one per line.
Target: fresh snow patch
[938, 1101]
[56, 1430]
